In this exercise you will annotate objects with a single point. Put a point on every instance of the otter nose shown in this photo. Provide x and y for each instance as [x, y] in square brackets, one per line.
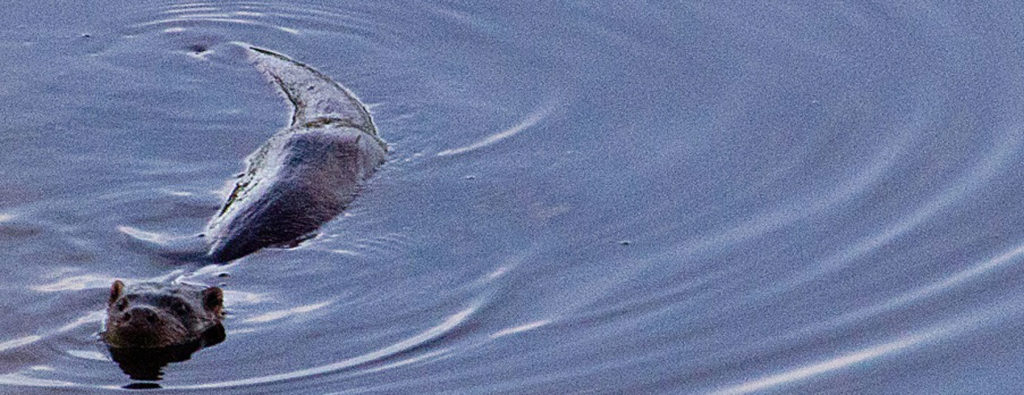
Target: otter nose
[140, 315]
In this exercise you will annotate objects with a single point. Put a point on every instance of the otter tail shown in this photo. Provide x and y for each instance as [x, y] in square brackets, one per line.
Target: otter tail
[316, 98]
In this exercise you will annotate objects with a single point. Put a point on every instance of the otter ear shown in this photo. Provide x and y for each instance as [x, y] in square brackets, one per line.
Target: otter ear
[213, 299]
[116, 290]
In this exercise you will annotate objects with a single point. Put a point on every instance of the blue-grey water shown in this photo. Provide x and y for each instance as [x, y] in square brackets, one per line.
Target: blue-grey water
[626, 197]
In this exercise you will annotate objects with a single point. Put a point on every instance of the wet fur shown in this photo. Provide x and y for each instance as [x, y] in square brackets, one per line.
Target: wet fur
[156, 315]
[304, 175]
[301, 178]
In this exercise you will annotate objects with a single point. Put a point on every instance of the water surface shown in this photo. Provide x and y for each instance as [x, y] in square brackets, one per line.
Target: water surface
[580, 196]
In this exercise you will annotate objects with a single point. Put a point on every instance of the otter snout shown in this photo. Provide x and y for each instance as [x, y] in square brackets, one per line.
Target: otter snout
[141, 316]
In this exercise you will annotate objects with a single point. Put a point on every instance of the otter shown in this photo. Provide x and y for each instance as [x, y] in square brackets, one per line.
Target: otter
[305, 174]
[157, 315]
[300, 178]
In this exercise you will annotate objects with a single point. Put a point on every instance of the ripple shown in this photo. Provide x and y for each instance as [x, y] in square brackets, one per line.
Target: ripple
[917, 294]
[519, 329]
[280, 314]
[19, 342]
[195, 19]
[974, 320]
[293, 21]
[844, 191]
[21, 380]
[425, 337]
[388, 245]
[179, 18]
[89, 355]
[972, 180]
[75, 283]
[529, 121]
[822, 367]
[93, 317]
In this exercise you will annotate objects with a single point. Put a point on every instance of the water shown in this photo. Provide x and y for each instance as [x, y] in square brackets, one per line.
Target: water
[580, 196]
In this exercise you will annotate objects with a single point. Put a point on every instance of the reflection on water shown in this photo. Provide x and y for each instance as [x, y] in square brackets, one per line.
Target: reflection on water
[147, 363]
[642, 198]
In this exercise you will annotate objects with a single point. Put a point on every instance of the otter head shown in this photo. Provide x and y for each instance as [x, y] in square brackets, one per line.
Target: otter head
[154, 315]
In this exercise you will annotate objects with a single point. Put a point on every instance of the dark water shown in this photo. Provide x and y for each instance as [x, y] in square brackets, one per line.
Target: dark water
[637, 197]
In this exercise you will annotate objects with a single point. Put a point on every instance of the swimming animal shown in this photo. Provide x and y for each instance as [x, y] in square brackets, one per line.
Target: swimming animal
[300, 178]
[303, 176]
[152, 324]
[157, 315]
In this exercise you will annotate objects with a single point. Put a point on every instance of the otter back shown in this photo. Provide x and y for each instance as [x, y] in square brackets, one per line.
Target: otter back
[299, 179]
[304, 175]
